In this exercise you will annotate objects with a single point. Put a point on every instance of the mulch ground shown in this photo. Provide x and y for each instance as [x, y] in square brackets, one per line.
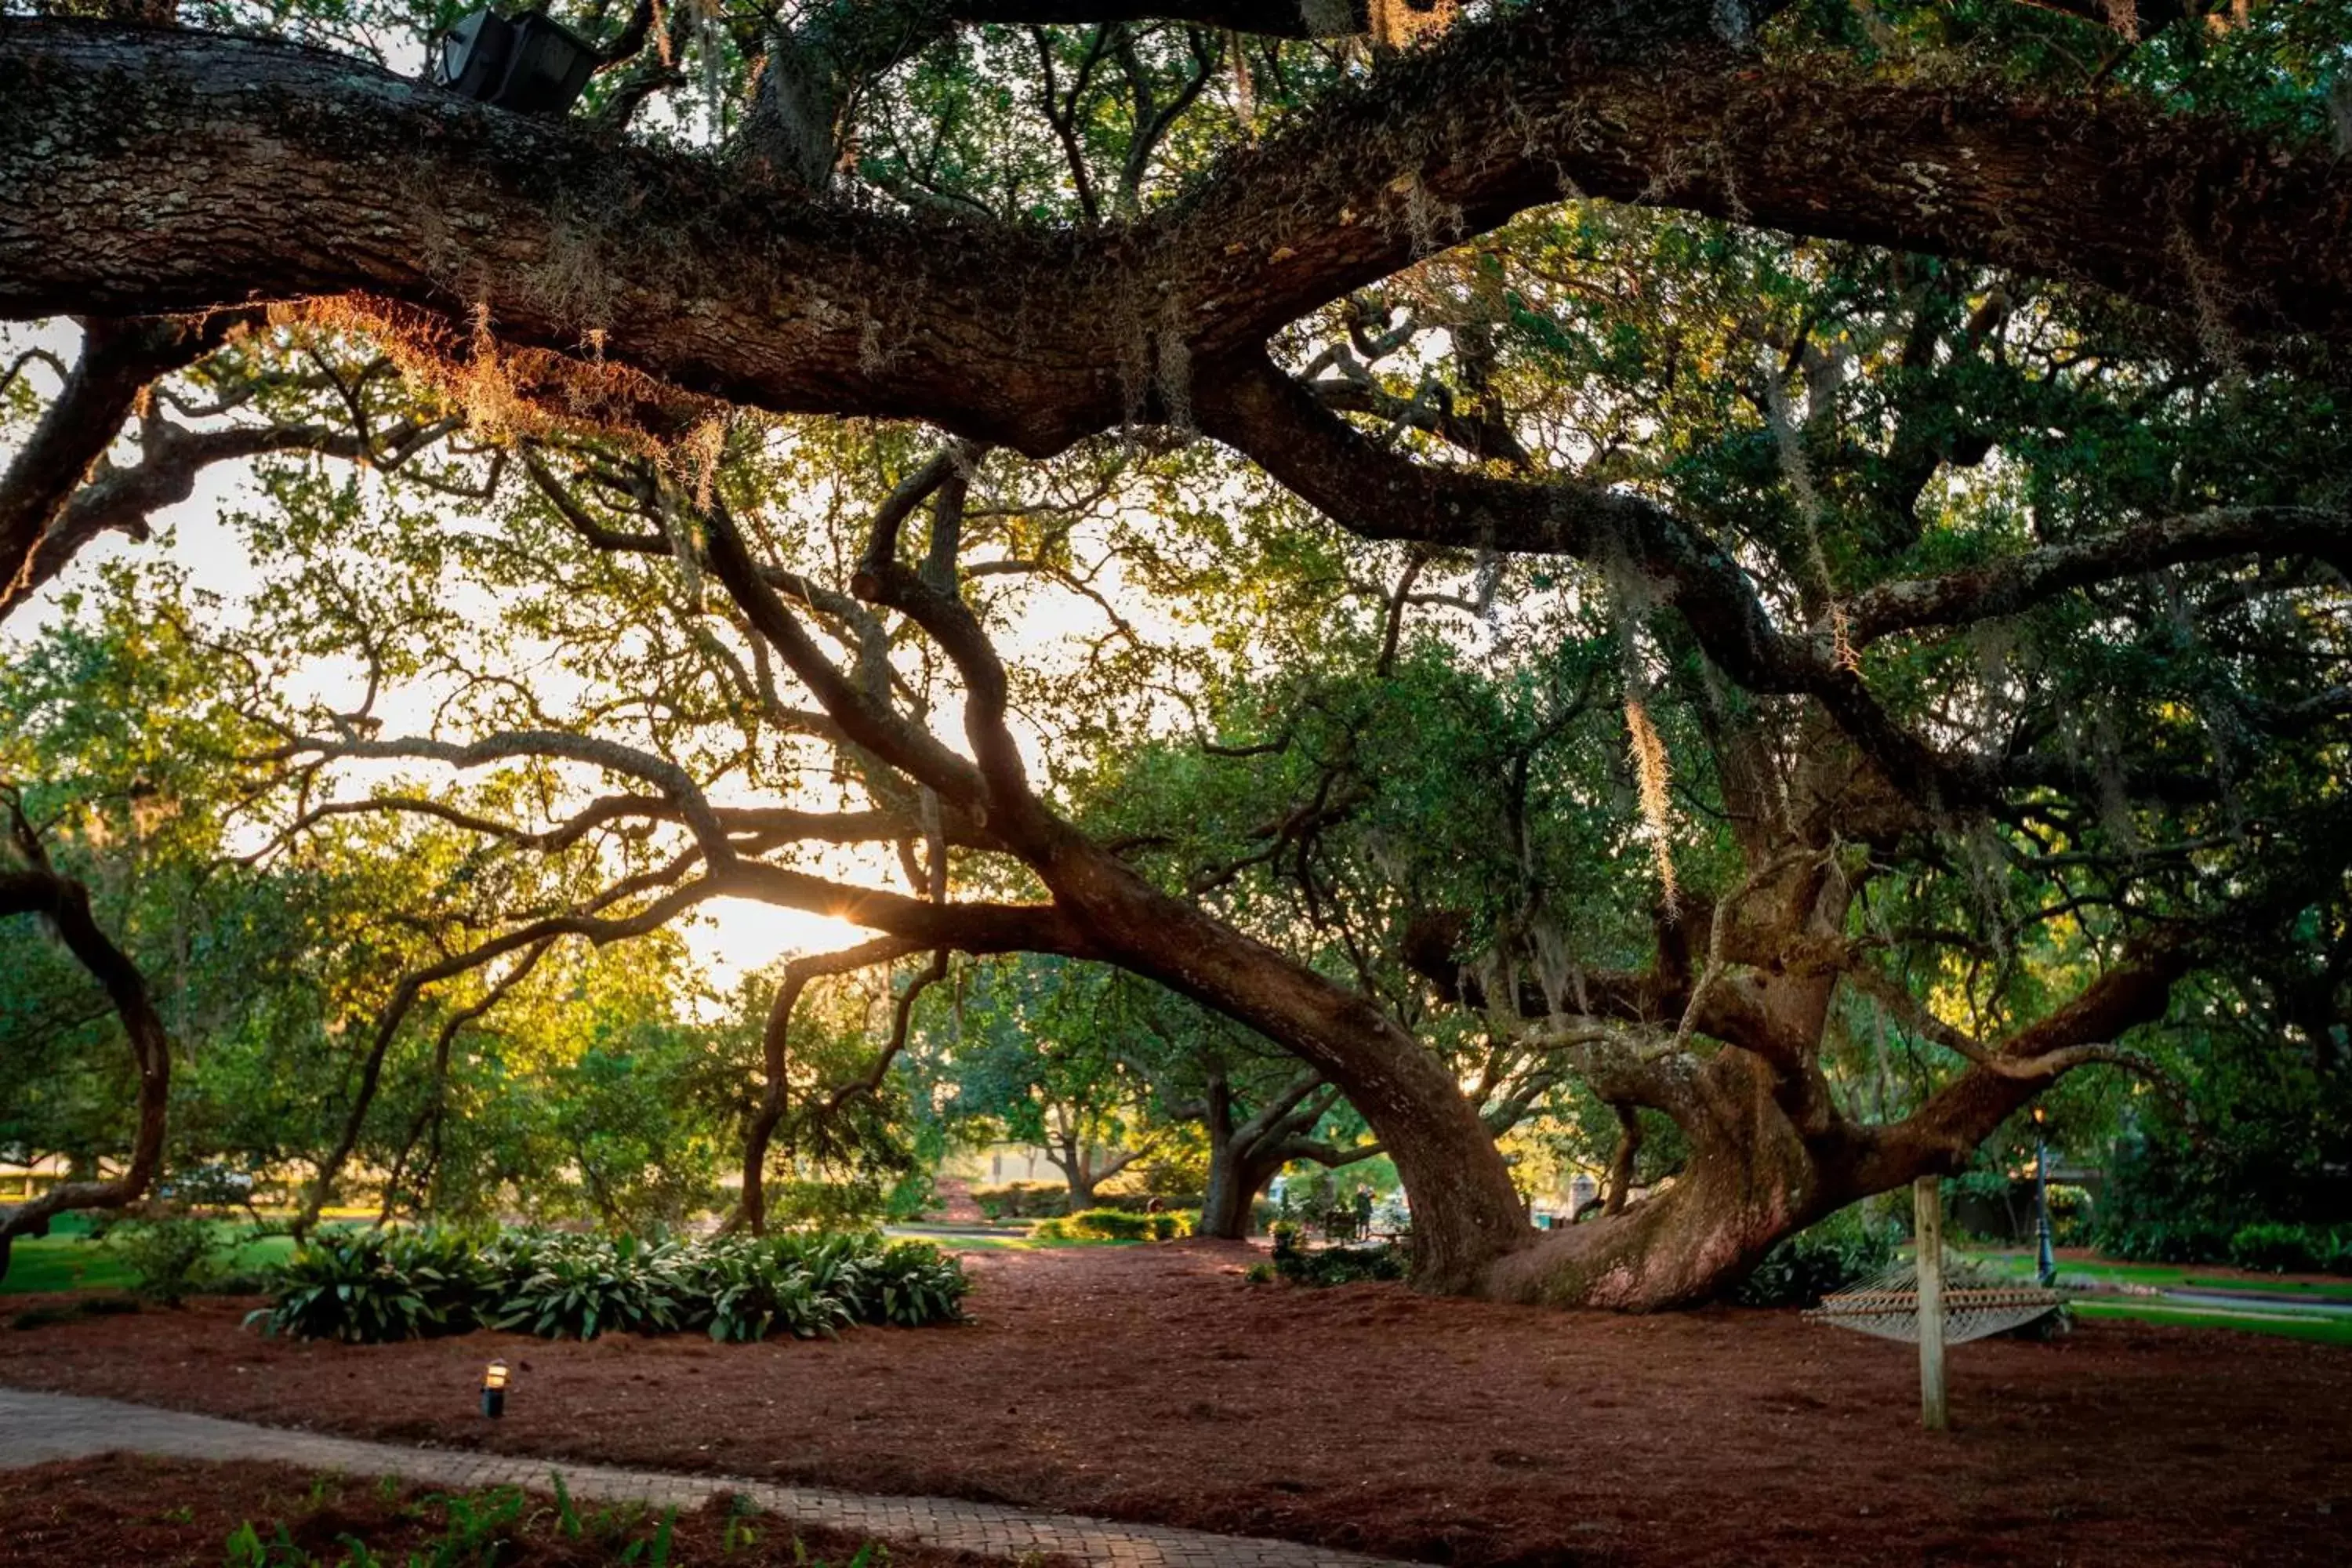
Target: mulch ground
[1156, 1384]
[121, 1511]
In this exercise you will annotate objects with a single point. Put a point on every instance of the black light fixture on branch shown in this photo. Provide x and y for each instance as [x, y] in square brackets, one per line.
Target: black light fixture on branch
[532, 65]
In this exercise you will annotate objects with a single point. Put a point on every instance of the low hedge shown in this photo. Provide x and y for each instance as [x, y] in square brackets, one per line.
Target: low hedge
[1116, 1224]
[1023, 1200]
[2271, 1248]
[373, 1286]
[1051, 1200]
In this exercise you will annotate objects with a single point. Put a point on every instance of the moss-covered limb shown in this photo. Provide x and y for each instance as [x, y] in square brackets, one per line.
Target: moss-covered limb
[181, 172]
[1652, 105]
[2134, 19]
[143, 170]
[1266, 18]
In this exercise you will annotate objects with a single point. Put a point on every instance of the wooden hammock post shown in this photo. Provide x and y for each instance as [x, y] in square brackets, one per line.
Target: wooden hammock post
[1927, 1226]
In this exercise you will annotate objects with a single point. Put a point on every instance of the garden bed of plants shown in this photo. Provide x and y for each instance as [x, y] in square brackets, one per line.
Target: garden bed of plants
[373, 1286]
[125, 1510]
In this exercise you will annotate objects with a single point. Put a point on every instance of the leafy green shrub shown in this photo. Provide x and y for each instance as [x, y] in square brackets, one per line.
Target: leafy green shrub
[372, 1285]
[580, 1287]
[171, 1256]
[2167, 1241]
[346, 1285]
[457, 1273]
[748, 1288]
[1844, 1249]
[912, 1284]
[2291, 1249]
[1023, 1200]
[1341, 1265]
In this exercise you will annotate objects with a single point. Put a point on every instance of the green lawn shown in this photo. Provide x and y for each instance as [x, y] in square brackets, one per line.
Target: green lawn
[67, 1260]
[2320, 1330]
[1024, 1243]
[2163, 1275]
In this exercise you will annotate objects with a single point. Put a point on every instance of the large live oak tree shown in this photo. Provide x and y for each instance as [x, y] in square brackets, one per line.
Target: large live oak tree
[608, 278]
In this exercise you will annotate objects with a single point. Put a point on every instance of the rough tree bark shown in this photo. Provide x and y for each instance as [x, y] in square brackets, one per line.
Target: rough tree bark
[145, 171]
[1770, 1149]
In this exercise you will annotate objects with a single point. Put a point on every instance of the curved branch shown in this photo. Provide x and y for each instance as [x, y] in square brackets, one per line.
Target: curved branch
[119, 360]
[775, 1043]
[65, 903]
[538, 934]
[2007, 587]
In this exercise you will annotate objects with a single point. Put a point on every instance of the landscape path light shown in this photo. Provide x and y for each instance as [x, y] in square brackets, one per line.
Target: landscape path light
[532, 65]
[494, 1390]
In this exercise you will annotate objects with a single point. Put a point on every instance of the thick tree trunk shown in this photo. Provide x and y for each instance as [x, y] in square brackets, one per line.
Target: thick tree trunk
[1235, 1181]
[1072, 1162]
[1751, 1181]
[1236, 1172]
[1466, 1214]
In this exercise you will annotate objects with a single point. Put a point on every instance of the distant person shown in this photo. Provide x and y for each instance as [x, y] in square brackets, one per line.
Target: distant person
[1363, 1211]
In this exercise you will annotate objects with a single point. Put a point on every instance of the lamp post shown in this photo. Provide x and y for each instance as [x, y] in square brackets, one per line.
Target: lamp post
[494, 1390]
[2045, 1257]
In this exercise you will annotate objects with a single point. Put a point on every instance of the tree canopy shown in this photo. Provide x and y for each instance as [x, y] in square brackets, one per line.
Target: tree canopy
[1779, 569]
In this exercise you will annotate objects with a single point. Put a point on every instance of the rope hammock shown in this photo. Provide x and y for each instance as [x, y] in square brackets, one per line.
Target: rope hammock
[1974, 1305]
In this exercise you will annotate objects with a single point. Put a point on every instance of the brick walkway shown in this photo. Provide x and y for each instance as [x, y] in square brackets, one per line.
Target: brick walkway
[35, 1427]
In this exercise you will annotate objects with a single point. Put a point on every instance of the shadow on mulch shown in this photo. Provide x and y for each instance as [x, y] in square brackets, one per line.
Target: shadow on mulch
[1155, 1384]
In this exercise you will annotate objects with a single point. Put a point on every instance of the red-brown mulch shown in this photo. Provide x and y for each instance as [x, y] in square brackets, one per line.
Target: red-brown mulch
[121, 1510]
[1155, 1384]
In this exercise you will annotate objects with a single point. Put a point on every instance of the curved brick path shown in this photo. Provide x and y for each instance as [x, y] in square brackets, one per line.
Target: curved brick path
[36, 1427]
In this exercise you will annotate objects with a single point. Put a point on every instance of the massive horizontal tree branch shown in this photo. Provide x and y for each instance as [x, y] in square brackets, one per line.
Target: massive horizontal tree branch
[1940, 1135]
[1266, 18]
[182, 171]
